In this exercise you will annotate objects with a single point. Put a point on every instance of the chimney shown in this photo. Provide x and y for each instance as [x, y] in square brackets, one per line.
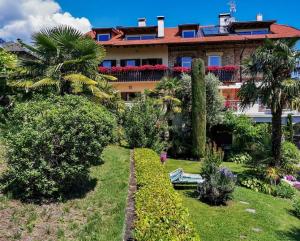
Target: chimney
[224, 19]
[160, 26]
[142, 22]
[259, 17]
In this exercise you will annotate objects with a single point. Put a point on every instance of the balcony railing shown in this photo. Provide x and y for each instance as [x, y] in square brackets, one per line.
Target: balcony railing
[156, 73]
[139, 76]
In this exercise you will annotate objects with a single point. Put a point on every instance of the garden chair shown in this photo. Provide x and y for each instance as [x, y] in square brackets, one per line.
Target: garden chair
[179, 177]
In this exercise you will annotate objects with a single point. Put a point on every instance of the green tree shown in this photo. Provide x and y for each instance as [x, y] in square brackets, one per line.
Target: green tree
[272, 63]
[289, 128]
[8, 63]
[198, 108]
[65, 59]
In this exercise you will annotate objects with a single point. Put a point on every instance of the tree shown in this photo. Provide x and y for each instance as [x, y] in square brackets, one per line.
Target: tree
[273, 63]
[8, 63]
[65, 59]
[290, 128]
[214, 101]
[198, 108]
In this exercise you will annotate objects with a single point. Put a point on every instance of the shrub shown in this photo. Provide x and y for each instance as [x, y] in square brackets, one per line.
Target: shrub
[219, 182]
[290, 156]
[296, 206]
[241, 158]
[284, 190]
[198, 109]
[159, 209]
[144, 125]
[257, 185]
[51, 143]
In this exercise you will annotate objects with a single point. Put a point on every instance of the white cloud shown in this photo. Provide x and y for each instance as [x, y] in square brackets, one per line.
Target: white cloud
[21, 18]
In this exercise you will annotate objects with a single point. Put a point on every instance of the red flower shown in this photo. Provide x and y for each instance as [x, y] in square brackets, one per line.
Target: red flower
[103, 70]
[213, 68]
[181, 69]
[230, 68]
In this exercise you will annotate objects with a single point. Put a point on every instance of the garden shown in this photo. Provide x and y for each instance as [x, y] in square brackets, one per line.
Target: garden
[67, 172]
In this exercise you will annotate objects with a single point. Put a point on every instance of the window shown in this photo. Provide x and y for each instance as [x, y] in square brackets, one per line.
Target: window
[140, 37]
[130, 96]
[130, 62]
[108, 63]
[188, 33]
[151, 61]
[186, 62]
[214, 60]
[103, 37]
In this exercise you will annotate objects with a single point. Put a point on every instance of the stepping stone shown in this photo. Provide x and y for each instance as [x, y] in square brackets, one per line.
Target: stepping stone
[246, 203]
[249, 210]
[257, 230]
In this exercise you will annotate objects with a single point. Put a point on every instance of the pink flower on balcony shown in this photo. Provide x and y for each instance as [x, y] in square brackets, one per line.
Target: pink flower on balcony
[103, 70]
[181, 69]
[213, 68]
[230, 68]
[161, 67]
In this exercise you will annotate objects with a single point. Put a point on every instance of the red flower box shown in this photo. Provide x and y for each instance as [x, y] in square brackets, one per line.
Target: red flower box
[181, 69]
[158, 67]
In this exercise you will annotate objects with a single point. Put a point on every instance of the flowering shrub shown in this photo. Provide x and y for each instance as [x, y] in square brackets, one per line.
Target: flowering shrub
[162, 67]
[228, 68]
[158, 67]
[219, 181]
[181, 69]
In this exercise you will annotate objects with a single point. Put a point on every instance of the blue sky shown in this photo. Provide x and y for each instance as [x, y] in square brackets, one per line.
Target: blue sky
[124, 13]
[22, 18]
[108, 13]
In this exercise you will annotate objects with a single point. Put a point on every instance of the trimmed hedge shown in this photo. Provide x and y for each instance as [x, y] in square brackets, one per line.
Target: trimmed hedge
[159, 209]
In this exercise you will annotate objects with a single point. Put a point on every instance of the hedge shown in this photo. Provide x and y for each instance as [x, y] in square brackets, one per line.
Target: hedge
[159, 209]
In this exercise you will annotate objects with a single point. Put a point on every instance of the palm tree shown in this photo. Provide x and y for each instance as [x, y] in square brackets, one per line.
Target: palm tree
[270, 68]
[167, 90]
[65, 59]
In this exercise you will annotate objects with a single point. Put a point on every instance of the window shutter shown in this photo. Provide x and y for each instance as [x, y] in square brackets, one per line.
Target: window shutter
[137, 62]
[123, 62]
[114, 63]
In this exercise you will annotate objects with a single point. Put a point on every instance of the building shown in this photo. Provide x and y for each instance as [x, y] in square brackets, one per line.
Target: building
[17, 49]
[140, 56]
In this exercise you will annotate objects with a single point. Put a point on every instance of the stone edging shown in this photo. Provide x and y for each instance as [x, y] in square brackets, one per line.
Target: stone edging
[130, 207]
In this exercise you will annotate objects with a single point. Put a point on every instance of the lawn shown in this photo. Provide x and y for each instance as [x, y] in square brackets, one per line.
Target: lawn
[98, 215]
[272, 220]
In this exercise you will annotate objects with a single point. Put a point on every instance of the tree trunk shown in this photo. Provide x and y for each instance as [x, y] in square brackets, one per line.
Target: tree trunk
[276, 136]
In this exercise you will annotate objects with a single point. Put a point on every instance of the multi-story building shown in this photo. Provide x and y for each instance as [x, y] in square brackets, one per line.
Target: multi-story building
[140, 56]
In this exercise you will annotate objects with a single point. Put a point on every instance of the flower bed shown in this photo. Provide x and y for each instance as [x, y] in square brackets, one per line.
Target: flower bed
[159, 209]
[161, 67]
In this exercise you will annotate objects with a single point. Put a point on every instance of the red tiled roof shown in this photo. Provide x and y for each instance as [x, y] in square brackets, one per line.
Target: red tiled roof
[172, 37]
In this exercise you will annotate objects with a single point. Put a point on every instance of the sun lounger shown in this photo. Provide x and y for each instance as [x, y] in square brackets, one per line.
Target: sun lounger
[179, 177]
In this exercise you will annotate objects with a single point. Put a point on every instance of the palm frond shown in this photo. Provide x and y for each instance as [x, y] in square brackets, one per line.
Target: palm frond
[44, 83]
[79, 78]
[98, 93]
[107, 77]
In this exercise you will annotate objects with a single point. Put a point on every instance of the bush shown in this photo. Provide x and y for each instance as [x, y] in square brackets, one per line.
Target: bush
[257, 185]
[219, 182]
[241, 158]
[290, 156]
[144, 125]
[296, 206]
[284, 190]
[159, 209]
[51, 143]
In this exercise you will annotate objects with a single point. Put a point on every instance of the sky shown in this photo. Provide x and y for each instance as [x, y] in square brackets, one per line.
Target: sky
[19, 18]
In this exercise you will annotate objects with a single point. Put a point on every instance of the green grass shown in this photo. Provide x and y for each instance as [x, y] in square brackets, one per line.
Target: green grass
[273, 220]
[99, 215]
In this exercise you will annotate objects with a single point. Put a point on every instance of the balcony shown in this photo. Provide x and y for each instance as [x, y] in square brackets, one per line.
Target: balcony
[226, 74]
